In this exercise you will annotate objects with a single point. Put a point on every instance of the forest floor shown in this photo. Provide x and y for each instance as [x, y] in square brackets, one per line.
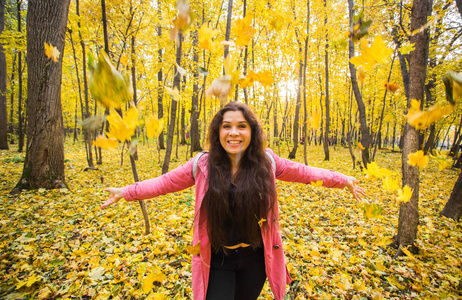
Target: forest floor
[58, 244]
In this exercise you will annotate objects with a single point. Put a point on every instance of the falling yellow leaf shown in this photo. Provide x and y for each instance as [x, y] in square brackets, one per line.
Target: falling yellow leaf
[422, 119]
[206, 34]
[243, 31]
[315, 120]
[265, 78]
[361, 146]
[173, 92]
[443, 161]
[361, 75]
[391, 87]
[390, 184]
[123, 128]
[404, 194]
[374, 171]
[228, 64]
[260, 222]
[377, 53]
[418, 159]
[183, 20]
[154, 126]
[407, 48]
[105, 143]
[51, 52]
[194, 250]
[107, 85]
[220, 88]
[317, 183]
[372, 211]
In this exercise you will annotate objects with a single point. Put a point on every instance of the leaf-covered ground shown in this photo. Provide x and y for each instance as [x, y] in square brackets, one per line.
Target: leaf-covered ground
[59, 244]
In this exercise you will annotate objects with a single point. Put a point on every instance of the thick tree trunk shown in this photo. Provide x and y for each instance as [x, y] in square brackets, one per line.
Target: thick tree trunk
[408, 212]
[194, 131]
[365, 135]
[44, 162]
[453, 208]
[3, 108]
[20, 115]
[173, 108]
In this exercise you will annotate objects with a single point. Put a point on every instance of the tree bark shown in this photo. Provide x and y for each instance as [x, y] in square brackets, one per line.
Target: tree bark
[44, 162]
[327, 100]
[3, 107]
[194, 129]
[20, 116]
[365, 134]
[453, 208]
[305, 119]
[408, 212]
[160, 89]
[173, 108]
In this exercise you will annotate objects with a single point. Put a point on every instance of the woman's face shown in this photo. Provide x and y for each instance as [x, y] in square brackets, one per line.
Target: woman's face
[235, 134]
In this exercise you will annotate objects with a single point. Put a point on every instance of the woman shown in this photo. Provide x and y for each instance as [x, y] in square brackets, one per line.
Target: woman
[236, 213]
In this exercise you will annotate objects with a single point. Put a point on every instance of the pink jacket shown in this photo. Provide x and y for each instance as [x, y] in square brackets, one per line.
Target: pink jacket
[182, 178]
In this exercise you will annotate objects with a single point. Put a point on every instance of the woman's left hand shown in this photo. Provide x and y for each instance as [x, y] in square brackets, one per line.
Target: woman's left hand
[355, 189]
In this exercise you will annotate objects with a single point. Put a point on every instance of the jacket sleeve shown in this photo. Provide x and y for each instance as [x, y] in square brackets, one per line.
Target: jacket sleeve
[287, 170]
[178, 179]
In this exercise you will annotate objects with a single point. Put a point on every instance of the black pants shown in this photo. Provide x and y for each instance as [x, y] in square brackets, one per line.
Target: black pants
[238, 275]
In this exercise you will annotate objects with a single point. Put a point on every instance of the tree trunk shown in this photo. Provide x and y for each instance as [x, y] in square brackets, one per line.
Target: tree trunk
[11, 125]
[453, 208]
[459, 6]
[408, 212]
[305, 138]
[3, 107]
[20, 116]
[194, 129]
[160, 89]
[173, 108]
[365, 135]
[228, 28]
[327, 100]
[44, 162]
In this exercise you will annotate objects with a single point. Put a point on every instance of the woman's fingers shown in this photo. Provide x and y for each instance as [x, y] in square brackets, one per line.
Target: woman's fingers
[115, 196]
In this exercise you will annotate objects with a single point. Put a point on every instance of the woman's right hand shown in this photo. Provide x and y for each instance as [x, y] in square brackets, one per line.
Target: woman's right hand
[115, 196]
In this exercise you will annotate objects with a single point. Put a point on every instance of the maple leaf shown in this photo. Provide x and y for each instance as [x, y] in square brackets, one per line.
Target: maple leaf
[422, 119]
[107, 85]
[372, 211]
[206, 34]
[123, 128]
[154, 126]
[374, 171]
[390, 184]
[265, 78]
[391, 87]
[244, 31]
[194, 250]
[148, 282]
[317, 183]
[377, 53]
[418, 159]
[51, 52]
[105, 143]
[404, 194]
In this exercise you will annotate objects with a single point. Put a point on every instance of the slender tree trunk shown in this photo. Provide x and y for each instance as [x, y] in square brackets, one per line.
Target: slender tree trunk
[160, 89]
[173, 108]
[11, 125]
[408, 212]
[365, 135]
[3, 107]
[228, 28]
[327, 100]
[20, 116]
[304, 82]
[194, 129]
[44, 162]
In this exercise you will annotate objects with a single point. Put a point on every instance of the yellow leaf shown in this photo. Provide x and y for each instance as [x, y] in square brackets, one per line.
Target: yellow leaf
[154, 126]
[407, 48]
[32, 279]
[194, 250]
[422, 119]
[173, 92]
[418, 159]
[315, 120]
[361, 75]
[374, 171]
[404, 194]
[157, 296]
[228, 64]
[220, 88]
[390, 184]
[105, 143]
[372, 211]
[265, 78]
[443, 161]
[148, 282]
[377, 53]
[243, 245]
[317, 183]
[51, 52]
[124, 128]
[206, 34]
[260, 223]
[107, 85]
[361, 146]
[391, 87]
[243, 31]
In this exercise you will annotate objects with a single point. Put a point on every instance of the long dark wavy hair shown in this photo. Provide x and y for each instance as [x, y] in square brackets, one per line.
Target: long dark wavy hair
[254, 193]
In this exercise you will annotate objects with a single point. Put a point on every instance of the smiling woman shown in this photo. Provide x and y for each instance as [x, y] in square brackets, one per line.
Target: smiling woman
[236, 224]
